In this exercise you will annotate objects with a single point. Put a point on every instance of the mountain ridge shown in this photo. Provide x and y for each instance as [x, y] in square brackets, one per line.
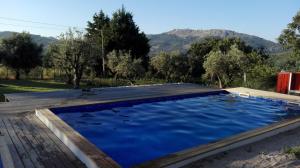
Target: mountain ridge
[183, 38]
[45, 41]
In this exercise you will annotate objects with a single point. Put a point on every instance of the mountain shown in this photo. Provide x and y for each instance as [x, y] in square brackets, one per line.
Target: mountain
[45, 41]
[181, 39]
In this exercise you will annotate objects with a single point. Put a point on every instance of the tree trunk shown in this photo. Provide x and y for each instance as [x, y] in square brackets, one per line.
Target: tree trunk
[42, 74]
[76, 81]
[17, 77]
[6, 77]
[220, 82]
[245, 78]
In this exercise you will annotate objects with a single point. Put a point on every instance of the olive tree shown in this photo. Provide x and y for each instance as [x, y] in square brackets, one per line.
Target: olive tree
[171, 66]
[72, 54]
[123, 65]
[21, 53]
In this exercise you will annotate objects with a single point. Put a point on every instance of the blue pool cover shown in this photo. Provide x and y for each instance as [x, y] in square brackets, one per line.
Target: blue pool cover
[132, 132]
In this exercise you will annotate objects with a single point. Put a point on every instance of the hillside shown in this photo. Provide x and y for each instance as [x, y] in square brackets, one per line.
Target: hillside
[45, 41]
[181, 39]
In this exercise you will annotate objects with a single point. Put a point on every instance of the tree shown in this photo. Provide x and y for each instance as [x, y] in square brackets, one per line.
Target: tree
[123, 65]
[290, 36]
[99, 34]
[171, 66]
[196, 55]
[226, 67]
[214, 66]
[126, 36]
[21, 53]
[72, 54]
[198, 51]
[290, 39]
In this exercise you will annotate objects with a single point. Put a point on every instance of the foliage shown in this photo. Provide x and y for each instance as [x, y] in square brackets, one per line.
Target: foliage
[290, 39]
[98, 32]
[290, 36]
[72, 54]
[171, 66]
[294, 150]
[286, 61]
[120, 33]
[21, 53]
[198, 51]
[228, 66]
[181, 39]
[261, 76]
[123, 65]
[126, 36]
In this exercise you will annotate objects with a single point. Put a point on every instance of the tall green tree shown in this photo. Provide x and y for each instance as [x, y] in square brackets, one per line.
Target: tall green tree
[290, 39]
[99, 34]
[126, 36]
[290, 36]
[21, 53]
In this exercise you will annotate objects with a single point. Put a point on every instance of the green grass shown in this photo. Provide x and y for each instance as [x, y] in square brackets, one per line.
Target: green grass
[16, 86]
[294, 150]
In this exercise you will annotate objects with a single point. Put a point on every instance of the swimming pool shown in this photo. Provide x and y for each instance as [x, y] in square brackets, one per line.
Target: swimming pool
[133, 132]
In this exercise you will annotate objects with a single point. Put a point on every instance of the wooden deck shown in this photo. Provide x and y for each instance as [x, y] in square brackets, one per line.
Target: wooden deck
[33, 145]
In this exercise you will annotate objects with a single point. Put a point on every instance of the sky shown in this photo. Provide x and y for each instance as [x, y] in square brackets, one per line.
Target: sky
[263, 18]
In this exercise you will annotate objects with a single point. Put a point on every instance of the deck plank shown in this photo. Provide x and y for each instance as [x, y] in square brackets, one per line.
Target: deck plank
[62, 153]
[27, 144]
[11, 147]
[24, 155]
[43, 155]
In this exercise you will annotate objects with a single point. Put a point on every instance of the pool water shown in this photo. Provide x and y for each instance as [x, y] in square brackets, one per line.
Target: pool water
[135, 133]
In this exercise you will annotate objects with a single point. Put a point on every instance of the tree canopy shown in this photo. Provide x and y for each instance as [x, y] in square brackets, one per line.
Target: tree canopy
[171, 66]
[123, 65]
[198, 51]
[71, 54]
[120, 33]
[21, 53]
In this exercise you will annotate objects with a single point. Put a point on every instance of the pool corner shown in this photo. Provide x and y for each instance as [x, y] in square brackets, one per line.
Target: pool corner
[87, 152]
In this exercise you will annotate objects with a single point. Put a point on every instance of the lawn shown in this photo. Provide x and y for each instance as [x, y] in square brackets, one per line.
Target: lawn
[16, 86]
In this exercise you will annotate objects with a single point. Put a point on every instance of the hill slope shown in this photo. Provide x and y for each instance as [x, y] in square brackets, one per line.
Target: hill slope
[181, 39]
[45, 41]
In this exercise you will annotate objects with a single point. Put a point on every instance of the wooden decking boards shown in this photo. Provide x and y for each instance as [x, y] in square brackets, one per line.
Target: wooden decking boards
[33, 145]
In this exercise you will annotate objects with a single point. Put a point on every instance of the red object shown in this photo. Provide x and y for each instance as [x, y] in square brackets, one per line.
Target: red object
[283, 79]
[295, 85]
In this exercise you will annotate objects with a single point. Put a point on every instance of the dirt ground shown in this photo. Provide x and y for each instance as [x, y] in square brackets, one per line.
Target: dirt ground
[270, 152]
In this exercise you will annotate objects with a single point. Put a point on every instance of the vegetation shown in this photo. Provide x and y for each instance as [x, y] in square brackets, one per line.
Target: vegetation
[182, 39]
[19, 52]
[115, 52]
[290, 39]
[170, 66]
[120, 33]
[122, 65]
[295, 151]
[71, 54]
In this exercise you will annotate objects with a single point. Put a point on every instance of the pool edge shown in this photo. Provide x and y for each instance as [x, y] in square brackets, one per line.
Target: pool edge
[187, 156]
[86, 152]
[184, 157]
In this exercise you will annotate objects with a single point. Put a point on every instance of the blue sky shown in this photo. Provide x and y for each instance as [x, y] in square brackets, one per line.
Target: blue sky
[264, 18]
